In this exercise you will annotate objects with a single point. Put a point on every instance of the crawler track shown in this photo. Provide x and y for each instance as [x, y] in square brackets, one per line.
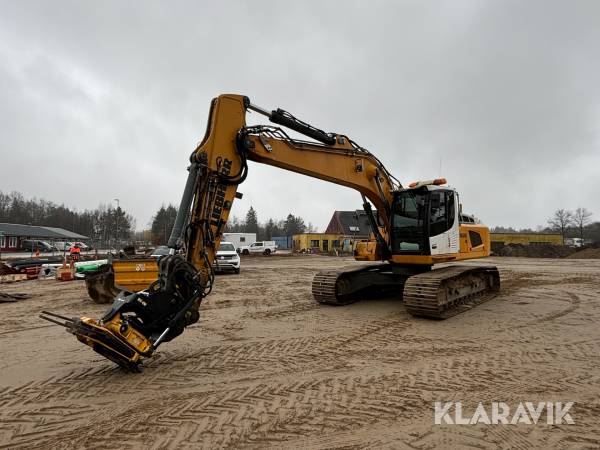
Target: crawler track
[445, 292]
[348, 285]
[437, 294]
[323, 287]
[331, 287]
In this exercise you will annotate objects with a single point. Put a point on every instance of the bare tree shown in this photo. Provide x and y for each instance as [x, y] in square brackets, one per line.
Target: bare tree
[581, 218]
[561, 220]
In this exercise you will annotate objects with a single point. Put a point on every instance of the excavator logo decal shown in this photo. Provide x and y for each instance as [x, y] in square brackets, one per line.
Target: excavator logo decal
[220, 194]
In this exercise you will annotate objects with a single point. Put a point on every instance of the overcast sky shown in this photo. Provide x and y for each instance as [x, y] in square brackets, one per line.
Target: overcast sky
[104, 100]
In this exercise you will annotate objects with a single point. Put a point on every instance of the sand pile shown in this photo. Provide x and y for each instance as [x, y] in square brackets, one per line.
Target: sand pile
[586, 253]
[535, 251]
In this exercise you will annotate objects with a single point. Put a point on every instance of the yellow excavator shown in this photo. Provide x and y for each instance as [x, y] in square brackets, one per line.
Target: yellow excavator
[413, 228]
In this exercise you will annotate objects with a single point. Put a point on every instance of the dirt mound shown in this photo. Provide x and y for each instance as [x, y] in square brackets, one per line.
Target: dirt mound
[587, 253]
[535, 251]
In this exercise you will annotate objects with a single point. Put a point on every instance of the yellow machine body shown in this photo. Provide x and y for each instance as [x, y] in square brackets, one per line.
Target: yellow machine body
[219, 164]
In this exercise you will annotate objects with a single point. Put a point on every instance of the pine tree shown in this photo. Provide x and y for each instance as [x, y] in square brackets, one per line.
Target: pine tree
[294, 225]
[251, 225]
[162, 224]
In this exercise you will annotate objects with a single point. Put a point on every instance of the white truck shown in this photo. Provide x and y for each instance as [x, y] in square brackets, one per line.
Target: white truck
[260, 247]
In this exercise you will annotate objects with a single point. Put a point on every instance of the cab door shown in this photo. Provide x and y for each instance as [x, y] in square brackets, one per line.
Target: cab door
[443, 222]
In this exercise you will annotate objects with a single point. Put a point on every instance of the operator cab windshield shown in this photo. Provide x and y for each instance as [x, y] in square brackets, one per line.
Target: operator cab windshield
[226, 247]
[409, 222]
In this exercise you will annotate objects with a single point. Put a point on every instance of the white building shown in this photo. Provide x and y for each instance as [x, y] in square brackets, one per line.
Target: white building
[240, 239]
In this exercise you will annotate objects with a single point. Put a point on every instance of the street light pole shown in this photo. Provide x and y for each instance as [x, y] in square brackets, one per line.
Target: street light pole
[117, 214]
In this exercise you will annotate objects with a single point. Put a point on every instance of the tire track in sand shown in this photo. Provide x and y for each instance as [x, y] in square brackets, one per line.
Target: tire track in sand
[285, 407]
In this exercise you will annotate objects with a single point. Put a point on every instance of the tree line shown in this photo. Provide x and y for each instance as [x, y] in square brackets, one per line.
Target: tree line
[271, 227]
[164, 218]
[105, 225]
[569, 223]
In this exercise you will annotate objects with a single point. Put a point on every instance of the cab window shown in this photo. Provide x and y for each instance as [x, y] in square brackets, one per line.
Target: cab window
[441, 212]
[409, 222]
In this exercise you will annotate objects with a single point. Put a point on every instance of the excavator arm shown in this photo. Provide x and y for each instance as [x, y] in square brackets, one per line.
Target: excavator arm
[137, 323]
[219, 164]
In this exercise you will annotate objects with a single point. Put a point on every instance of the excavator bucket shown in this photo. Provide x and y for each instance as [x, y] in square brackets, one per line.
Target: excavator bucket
[101, 285]
[132, 275]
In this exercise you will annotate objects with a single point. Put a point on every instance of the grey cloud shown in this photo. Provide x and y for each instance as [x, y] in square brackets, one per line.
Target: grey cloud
[505, 94]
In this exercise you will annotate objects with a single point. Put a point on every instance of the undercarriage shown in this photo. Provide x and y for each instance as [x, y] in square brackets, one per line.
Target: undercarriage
[436, 294]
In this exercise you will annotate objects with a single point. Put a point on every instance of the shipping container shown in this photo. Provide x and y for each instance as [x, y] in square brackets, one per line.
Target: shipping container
[239, 239]
[283, 242]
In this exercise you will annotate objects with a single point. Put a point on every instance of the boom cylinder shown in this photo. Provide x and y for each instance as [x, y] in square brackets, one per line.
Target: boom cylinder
[281, 117]
[184, 207]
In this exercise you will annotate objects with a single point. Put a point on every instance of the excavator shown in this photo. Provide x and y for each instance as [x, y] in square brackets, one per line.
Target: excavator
[413, 228]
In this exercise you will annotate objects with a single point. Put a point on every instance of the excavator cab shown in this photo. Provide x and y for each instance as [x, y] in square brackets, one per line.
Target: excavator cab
[425, 221]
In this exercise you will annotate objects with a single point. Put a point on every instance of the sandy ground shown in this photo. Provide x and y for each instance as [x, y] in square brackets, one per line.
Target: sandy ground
[267, 367]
